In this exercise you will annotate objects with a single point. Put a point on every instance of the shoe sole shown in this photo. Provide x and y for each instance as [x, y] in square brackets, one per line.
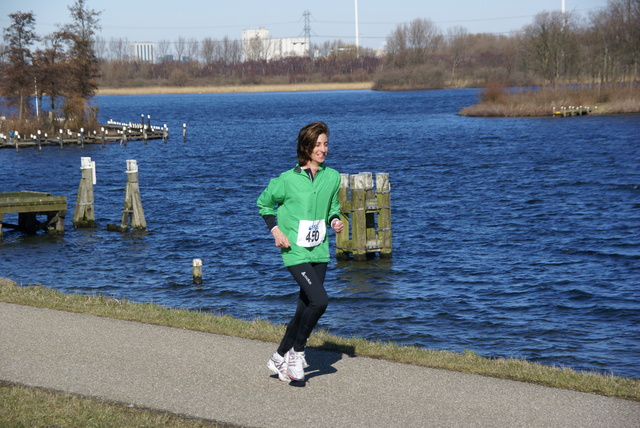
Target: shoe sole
[301, 379]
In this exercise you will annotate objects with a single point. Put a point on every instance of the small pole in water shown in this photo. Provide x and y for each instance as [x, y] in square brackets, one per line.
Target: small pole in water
[165, 133]
[39, 143]
[197, 271]
[60, 140]
[102, 130]
[124, 136]
[184, 132]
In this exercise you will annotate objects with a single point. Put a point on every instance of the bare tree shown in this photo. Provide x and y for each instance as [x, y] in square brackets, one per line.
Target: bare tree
[550, 44]
[458, 47]
[413, 43]
[163, 49]
[231, 51]
[17, 80]
[207, 51]
[180, 45]
[119, 49]
[100, 46]
[193, 49]
[625, 17]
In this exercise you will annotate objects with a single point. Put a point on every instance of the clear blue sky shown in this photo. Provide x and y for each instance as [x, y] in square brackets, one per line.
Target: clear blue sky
[152, 21]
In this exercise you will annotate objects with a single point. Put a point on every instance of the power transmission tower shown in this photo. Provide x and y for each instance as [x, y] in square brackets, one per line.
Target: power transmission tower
[307, 30]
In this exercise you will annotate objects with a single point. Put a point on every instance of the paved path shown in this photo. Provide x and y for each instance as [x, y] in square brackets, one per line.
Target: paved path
[225, 379]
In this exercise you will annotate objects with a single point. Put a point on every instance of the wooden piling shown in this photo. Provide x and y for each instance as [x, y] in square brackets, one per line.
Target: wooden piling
[84, 215]
[197, 271]
[366, 216]
[133, 214]
[383, 196]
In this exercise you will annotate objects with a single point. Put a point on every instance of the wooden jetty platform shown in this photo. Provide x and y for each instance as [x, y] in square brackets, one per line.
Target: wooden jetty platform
[29, 205]
[111, 132]
[572, 111]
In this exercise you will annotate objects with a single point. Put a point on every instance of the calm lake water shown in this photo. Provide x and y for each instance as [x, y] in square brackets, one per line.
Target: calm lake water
[511, 237]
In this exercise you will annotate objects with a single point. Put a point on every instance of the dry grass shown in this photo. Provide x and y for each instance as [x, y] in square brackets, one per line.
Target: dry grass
[234, 88]
[500, 102]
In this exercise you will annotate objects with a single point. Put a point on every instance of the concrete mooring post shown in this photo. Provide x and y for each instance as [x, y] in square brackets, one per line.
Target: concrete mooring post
[366, 216]
[132, 212]
[197, 271]
[84, 216]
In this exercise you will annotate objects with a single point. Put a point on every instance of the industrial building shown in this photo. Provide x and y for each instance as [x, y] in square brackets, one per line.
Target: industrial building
[256, 45]
[142, 51]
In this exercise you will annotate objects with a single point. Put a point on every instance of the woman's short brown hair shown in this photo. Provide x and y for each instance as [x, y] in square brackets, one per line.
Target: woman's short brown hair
[307, 138]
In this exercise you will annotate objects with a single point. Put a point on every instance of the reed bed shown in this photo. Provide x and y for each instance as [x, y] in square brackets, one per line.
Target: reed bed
[154, 90]
[496, 101]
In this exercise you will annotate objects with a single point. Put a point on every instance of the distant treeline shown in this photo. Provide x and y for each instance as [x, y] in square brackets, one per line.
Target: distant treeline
[555, 48]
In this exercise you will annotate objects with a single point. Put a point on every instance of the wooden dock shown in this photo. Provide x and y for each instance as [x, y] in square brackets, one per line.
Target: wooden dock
[571, 111]
[112, 132]
[29, 205]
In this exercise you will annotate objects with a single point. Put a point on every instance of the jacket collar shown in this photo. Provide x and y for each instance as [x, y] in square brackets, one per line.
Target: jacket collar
[298, 168]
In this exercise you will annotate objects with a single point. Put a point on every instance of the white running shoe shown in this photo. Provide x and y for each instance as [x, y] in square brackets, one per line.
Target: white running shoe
[295, 368]
[278, 365]
[304, 360]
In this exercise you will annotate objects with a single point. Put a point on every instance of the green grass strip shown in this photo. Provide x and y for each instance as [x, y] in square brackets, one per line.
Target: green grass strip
[467, 362]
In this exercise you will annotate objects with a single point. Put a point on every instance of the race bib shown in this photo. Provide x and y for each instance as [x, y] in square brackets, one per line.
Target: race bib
[311, 233]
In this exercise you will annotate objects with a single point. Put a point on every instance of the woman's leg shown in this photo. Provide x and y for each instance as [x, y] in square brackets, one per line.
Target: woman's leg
[312, 303]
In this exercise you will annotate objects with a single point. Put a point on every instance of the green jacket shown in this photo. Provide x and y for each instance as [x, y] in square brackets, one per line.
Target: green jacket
[293, 197]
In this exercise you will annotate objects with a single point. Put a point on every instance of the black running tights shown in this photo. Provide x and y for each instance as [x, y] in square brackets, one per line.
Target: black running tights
[312, 303]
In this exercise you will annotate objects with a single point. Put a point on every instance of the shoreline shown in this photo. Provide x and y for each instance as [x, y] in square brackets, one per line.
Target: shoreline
[299, 87]
[468, 362]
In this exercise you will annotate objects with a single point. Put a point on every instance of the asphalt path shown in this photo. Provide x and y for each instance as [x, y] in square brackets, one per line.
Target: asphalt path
[225, 379]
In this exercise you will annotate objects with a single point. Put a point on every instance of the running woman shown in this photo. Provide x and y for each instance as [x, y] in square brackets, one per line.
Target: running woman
[298, 206]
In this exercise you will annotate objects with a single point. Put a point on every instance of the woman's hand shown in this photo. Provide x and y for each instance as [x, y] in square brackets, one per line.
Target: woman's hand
[281, 239]
[337, 225]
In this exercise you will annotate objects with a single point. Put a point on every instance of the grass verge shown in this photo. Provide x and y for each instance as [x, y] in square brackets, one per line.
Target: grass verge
[467, 362]
[21, 406]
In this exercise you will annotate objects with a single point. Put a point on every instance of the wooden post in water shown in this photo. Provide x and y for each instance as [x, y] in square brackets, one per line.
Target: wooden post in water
[132, 212]
[367, 216]
[383, 196]
[84, 215]
[197, 271]
[359, 217]
[342, 239]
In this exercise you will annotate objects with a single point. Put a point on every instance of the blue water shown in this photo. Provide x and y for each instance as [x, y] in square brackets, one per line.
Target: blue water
[511, 237]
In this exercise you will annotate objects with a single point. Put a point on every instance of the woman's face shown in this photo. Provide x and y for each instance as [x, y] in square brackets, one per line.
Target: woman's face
[320, 150]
